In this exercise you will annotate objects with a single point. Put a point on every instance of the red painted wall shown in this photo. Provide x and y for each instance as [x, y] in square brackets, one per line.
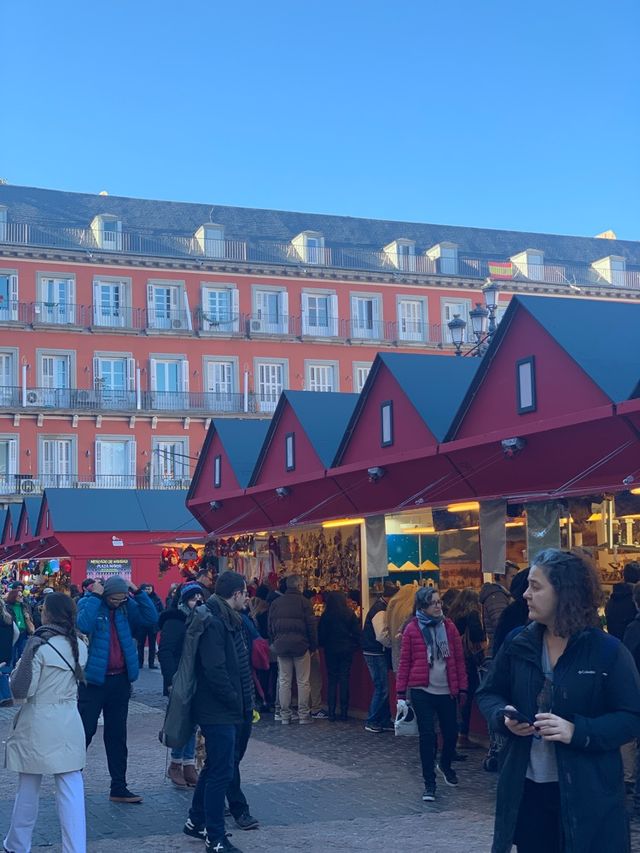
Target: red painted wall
[274, 469]
[561, 386]
[409, 430]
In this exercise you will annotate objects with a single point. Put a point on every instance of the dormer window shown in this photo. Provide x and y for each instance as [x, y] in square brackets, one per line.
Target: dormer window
[611, 269]
[290, 451]
[445, 258]
[309, 247]
[402, 254]
[210, 238]
[107, 231]
[3, 222]
[530, 264]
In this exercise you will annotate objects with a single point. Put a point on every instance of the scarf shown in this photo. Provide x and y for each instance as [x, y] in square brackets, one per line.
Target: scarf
[434, 629]
[233, 615]
[23, 673]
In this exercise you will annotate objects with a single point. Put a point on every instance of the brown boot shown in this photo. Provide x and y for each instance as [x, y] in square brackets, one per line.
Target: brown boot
[190, 775]
[176, 775]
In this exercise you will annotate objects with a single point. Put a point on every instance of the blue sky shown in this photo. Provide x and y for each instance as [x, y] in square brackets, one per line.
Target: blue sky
[493, 114]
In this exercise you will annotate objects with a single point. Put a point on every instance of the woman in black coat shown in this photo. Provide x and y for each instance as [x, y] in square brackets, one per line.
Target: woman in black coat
[339, 636]
[561, 786]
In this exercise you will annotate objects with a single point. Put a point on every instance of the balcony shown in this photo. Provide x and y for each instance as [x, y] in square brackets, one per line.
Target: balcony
[35, 484]
[187, 247]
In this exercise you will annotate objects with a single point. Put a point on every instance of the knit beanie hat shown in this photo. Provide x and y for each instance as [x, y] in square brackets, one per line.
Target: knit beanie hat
[115, 586]
[188, 591]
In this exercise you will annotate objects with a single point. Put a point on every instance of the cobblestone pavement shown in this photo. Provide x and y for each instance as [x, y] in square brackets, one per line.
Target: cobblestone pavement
[327, 786]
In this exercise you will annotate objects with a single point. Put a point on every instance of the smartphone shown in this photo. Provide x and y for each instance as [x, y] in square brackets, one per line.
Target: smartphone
[517, 716]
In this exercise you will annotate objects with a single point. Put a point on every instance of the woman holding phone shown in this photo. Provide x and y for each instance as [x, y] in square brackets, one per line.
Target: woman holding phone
[567, 696]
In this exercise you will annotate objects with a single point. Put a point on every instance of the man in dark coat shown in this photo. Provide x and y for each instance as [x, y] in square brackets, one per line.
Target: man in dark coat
[149, 634]
[222, 704]
[293, 633]
[595, 674]
[620, 609]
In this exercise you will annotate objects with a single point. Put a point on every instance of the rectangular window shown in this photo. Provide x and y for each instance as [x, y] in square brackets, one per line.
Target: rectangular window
[320, 314]
[109, 304]
[170, 464]
[217, 472]
[271, 312]
[290, 451]
[360, 374]
[219, 309]
[115, 381]
[411, 320]
[116, 463]
[321, 377]
[8, 297]
[55, 378]
[386, 423]
[220, 386]
[169, 383]
[165, 307]
[526, 385]
[406, 257]
[8, 464]
[56, 462]
[56, 304]
[270, 385]
[449, 310]
[365, 317]
[8, 389]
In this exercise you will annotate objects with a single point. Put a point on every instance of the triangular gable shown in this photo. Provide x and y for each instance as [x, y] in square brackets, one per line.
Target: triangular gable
[425, 391]
[317, 420]
[561, 385]
[28, 513]
[600, 336]
[10, 526]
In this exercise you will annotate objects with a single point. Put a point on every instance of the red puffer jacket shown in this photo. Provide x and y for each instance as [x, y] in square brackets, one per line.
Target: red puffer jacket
[414, 660]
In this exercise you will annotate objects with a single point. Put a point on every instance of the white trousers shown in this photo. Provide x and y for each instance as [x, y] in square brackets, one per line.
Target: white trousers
[70, 805]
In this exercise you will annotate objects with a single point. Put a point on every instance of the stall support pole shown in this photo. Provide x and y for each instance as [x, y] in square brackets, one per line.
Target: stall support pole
[364, 574]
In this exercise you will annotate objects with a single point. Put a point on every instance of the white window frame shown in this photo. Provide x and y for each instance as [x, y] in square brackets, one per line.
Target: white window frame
[174, 318]
[50, 392]
[211, 324]
[386, 423]
[57, 478]
[358, 378]
[181, 461]
[267, 402]
[262, 322]
[313, 328]
[9, 312]
[100, 231]
[217, 471]
[115, 398]
[459, 306]
[290, 451]
[110, 479]
[8, 388]
[359, 330]
[162, 399]
[314, 379]
[221, 399]
[49, 308]
[413, 331]
[8, 484]
[116, 316]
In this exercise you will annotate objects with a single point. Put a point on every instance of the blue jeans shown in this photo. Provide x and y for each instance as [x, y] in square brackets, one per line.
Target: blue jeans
[186, 753]
[18, 648]
[379, 713]
[5, 691]
[207, 806]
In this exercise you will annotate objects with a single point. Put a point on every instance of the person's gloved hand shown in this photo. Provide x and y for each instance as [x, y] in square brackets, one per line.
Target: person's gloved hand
[402, 708]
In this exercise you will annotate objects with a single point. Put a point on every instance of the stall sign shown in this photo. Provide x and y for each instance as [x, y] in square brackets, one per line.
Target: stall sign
[103, 569]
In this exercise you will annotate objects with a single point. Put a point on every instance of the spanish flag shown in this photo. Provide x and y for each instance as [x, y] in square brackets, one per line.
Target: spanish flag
[500, 269]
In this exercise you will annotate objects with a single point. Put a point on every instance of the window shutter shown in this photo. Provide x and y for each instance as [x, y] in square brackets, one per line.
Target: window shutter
[13, 457]
[96, 303]
[98, 452]
[333, 320]
[284, 304]
[152, 374]
[13, 291]
[97, 375]
[131, 374]
[375, 313]
[185, 375]
[173, 295]
[150, 299]
[185, 296]
[305, 313]
[131, 447]
[235, 308]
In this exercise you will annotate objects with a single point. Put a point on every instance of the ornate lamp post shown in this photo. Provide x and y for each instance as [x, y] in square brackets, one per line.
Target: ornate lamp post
[457, 327]
[482, 331]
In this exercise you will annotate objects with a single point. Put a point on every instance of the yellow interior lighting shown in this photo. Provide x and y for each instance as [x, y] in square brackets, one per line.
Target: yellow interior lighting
[342, 522]
[595, 516]
[419, 530]
[635, 491]
[514, 524]
[468, 506]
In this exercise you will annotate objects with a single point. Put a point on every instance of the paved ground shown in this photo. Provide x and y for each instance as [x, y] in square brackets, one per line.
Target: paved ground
[327, 786]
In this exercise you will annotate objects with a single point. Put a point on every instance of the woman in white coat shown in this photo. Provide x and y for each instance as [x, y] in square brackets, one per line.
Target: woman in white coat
[46, 680]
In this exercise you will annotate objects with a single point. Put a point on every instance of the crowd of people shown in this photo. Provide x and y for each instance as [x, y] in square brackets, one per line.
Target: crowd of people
[561, 695]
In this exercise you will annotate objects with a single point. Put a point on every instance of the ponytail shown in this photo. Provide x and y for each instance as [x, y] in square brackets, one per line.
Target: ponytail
[61, 610]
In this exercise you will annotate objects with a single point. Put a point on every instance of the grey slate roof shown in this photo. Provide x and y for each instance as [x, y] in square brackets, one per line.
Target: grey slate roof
[119, 510]
[322, 415]
[35, 205]
[242, 440]
[601, 337]
[434, 384]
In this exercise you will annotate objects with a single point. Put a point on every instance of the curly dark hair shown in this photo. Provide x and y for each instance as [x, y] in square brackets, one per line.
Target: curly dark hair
[575, 580]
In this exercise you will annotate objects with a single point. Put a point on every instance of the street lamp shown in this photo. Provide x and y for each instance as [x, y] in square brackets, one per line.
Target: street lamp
[478, 317]
[457, 327]
[490, 292]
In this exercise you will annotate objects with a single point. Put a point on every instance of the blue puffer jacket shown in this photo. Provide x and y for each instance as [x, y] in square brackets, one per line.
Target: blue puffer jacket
[93, 620]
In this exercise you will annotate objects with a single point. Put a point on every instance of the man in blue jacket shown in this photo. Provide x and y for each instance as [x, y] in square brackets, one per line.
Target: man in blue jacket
[111, 616]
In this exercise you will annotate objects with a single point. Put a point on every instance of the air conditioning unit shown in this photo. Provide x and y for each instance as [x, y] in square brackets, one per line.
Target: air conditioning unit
[177, 324]
[36, 309]
[256, 325]
[28, 486]
[33, 398]
[85, 398]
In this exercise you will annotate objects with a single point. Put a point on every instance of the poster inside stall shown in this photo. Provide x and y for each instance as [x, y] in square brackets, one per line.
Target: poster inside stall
[103, 569]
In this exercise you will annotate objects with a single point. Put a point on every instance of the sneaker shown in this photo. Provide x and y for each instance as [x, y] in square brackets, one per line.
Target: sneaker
[388, 727]
[320, 715]
[125, 796]
[247, 821]
[450, 776]
[284, 722]
[304, 721]
[194, 831]
[277, 718]
[373, 727]
[429, 794]
[222, 845]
